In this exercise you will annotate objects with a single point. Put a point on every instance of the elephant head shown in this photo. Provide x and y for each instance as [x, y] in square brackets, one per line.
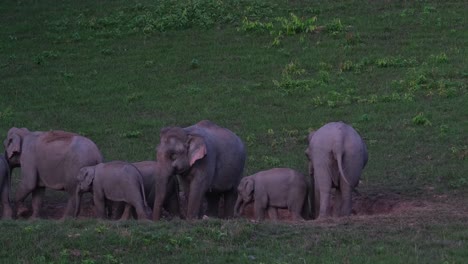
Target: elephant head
[178, 150]
[85, 180]
[13, 145]
[176, 153]
[245, 192]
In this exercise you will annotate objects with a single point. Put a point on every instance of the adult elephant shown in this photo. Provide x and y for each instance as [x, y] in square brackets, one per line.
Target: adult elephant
[49, 159]
[337, 155]
[209, 160]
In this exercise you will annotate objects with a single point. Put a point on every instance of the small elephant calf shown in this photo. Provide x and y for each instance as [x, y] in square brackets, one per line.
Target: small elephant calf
[272, 189]
[115, 181]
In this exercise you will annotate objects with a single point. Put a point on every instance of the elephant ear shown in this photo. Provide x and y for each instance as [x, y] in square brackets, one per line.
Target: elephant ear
[196, 148]
[89, 177]
[13, 145]
[249, 186]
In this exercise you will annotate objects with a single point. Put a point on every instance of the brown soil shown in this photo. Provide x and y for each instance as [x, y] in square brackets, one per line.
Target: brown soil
[363, 205]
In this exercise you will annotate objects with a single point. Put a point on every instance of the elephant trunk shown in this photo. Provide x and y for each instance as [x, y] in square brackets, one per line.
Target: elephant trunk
[239, 206]
[78, 195]
[160, 189]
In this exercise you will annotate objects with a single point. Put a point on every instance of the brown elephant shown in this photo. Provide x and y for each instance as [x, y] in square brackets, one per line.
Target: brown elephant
[272, 189]
[209, 160]
[49, 159]
[337, 155]
[115, 181]
[5, 188]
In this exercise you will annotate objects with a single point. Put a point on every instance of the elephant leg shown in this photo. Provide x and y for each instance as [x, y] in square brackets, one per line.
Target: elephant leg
[213, 204]
[337, 205]
[230, 198]
[70, 208]
[323, 184]
[186, 191]
[99, 205]
[25, 187]
[141, 212]
[126, 212]
[346, 203]
[195, 199]
[352, 166]
[36, 201]
[273, 213]
[260, 209]
[296, 199]
[7, 210]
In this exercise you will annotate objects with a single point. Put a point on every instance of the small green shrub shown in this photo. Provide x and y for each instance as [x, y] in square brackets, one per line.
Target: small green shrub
[421, 120]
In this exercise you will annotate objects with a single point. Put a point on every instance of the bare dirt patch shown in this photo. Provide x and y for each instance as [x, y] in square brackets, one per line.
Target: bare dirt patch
[390, 204]
[365, 205]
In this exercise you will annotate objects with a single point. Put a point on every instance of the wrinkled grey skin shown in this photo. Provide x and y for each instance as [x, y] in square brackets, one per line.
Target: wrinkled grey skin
[5, 188]
[115, 181]
[272, 189]
[209, 161]
[337, 155]
[49, 159]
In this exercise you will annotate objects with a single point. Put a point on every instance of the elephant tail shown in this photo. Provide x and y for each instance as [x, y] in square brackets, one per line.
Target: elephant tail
[339, 159]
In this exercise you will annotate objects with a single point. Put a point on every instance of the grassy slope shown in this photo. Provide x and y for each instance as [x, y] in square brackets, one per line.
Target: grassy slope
[79, 66]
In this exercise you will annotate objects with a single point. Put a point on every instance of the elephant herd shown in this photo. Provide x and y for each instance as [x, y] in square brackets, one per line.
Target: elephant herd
[205, 160]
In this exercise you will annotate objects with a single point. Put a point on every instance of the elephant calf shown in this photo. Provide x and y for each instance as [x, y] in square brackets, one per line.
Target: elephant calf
[272, 189]
[152, 177]
[5, 187]
[116, 181]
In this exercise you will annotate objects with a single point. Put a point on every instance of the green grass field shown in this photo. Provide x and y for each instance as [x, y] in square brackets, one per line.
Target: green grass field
[271, 71]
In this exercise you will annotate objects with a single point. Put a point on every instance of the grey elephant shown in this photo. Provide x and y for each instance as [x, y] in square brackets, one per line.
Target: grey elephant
[151, 177]
[272, 189]
[49, 159]
[337, 155]
[5, 188]
[115, 181]
[209, 160]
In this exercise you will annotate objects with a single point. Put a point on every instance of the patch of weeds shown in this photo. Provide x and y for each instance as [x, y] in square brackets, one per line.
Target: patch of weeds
[67, 75]
[251, 140]
[133, 97]
[364, 118]
[256, 26]
[346, 66]
[334, 27]
[352, 39]
[107, 51]
[428, 9]
[290, 79]
[194, 64]
[193, 89]
[149, 63]
[131, 134]
[407, 12]
[439, 58]
[271, 161]
[395, 62]
[295, 25]
[421, 120]
[101, 228]
[443, 130]
[109, 258]
[460, 152]
[41, 57]
[6, 114]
